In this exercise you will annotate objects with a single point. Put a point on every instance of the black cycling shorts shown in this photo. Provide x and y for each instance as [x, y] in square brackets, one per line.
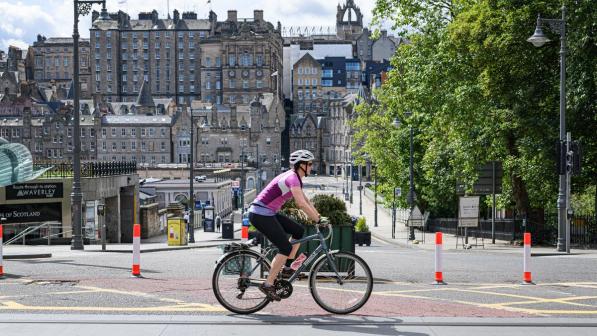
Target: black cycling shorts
[276, 229]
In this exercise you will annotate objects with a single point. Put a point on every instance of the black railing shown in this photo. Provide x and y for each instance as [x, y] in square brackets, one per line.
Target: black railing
[88, 169]
[583, 229]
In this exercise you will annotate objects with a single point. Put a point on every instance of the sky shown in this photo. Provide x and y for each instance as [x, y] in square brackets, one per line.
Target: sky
[22, 20]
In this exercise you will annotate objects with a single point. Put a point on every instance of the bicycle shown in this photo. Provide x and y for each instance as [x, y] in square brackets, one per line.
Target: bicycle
[240, 271]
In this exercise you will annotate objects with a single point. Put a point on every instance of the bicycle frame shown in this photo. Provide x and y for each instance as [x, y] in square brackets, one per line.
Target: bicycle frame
[322, 248]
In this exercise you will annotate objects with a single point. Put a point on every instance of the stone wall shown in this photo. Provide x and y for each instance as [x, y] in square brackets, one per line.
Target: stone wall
[150, 221]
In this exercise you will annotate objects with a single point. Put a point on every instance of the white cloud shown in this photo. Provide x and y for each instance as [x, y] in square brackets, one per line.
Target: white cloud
[4, 44]
[24, 20]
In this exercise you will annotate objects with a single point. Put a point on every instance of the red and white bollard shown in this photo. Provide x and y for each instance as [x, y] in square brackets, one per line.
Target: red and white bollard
[439, 276]
[1, 256]
[136, 250]
[244, 233]
[526, 275]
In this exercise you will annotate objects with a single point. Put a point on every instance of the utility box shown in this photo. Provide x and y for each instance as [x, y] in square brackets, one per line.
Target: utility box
[177, 232]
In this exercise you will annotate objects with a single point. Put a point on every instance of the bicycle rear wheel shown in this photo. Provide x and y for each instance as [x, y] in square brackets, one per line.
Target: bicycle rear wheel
[236, 279]
[345, 291]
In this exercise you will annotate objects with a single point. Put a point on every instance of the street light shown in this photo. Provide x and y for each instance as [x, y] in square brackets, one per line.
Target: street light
[204, 126]
[375, 194]
[411, 197]
[80, 8]
[538, 39]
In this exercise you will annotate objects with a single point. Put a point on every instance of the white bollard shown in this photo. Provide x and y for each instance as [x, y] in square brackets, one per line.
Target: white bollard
[526, 275]
[439, 276]
[136, 250]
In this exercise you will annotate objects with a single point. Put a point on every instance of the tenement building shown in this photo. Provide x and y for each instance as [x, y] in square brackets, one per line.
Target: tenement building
[185, 57]
[50, 63]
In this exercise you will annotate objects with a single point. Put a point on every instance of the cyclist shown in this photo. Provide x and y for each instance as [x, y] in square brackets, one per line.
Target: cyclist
[264, 216]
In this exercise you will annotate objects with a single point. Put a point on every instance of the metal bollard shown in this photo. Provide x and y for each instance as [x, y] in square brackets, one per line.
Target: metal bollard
[1, 256]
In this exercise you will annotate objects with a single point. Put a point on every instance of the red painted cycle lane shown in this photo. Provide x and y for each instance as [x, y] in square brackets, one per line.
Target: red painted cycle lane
[301, 303]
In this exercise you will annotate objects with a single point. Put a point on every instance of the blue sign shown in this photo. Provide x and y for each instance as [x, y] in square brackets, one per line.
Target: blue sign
[198, 205]
[245, 221]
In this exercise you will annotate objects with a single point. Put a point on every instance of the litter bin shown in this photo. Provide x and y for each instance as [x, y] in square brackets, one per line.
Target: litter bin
[227, 229]
[177, 232]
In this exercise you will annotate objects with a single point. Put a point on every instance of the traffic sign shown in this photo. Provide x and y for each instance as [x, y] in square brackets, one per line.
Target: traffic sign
[397, 192]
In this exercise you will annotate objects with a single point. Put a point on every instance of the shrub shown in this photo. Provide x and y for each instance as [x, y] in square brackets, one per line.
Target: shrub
[327, 205]
[361, 225]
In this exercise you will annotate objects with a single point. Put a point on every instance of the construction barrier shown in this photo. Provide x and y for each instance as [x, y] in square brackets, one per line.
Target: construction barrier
[137, 250]
[526, 276]
[439, 277]
[1, 242]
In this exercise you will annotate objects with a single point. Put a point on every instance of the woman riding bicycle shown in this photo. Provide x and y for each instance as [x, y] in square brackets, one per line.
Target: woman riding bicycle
[264, 216]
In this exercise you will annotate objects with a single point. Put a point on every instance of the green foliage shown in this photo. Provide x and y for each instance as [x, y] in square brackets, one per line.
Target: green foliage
[479, 92]
[327, 206]
[361, 225]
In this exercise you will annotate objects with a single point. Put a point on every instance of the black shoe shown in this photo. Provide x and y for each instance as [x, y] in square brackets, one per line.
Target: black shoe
[286, 272]
[270, 292]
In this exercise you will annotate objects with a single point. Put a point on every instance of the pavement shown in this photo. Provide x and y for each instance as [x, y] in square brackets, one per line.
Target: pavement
[260, 324]
[426, 240]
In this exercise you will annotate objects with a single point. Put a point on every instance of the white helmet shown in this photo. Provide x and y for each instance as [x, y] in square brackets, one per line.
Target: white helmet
[300, 156]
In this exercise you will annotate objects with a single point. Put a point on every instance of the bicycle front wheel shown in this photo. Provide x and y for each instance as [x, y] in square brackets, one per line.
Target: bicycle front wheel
[236, 279]
[343, 285]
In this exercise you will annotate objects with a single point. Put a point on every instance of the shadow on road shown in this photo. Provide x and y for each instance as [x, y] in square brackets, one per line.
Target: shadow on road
[351, 323]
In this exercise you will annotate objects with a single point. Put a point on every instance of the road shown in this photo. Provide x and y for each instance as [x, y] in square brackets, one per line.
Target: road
[93, 291]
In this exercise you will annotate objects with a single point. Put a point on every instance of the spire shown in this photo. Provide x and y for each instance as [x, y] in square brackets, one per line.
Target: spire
[71, 91]
[145, 99]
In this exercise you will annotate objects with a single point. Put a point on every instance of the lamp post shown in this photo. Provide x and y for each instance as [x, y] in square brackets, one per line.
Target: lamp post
[360, 191]
[80, 8]
[539, 39]
[375, 195]
[411, 197]
[192, 178]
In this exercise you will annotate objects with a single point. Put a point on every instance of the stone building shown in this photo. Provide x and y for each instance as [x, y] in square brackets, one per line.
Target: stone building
[222, 62]
[307, 85]
[50, 62]
[252, 132]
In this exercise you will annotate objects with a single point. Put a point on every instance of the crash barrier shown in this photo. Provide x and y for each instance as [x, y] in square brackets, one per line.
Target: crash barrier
[136, 250]
[439, 276]
[526, 275]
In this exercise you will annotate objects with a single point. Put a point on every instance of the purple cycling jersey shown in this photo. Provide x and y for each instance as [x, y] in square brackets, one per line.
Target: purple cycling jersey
[277, 192]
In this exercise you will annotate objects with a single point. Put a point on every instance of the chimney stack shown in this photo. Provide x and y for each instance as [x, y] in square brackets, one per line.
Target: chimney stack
[258, 15]
[232, 16]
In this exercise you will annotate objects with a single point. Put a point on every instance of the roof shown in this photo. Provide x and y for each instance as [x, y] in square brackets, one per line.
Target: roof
[145, 98]
[112, 119]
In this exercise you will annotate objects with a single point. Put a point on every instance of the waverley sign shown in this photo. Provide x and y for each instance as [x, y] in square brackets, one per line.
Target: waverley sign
[34, 191]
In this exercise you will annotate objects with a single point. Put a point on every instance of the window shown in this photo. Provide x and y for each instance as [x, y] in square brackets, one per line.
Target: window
[163, 131]
[259, 60]
[69, 132]
[113, 146]
[151, 132]
[300, 81]
[232, 99]
[268, 141]
[218, 61]
[245, 84]
[134, 145]
[123, 132]
[83, 132]
[208, 61]
[259, 84]
[113, 131]
[314, 82]
[104, 146]
[307, 82]
[123, 145]
[232, 84]
[143, 132]
[103, 132]
[133, 132]
[143, 146]
[231, 60]
[163, 146]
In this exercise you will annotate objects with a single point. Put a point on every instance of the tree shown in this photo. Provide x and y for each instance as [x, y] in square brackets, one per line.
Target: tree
[478, 92]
